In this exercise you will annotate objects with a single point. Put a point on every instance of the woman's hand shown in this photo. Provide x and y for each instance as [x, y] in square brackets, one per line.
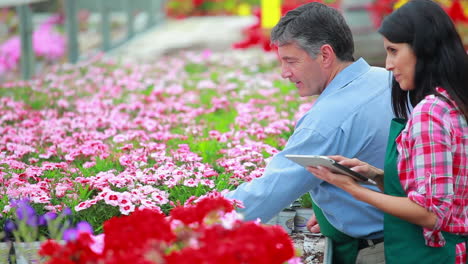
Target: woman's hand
[361, 167]
[345, 182]
[342, 181]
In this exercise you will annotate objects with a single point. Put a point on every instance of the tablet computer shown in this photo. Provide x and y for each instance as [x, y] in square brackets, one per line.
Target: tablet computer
[314, 161]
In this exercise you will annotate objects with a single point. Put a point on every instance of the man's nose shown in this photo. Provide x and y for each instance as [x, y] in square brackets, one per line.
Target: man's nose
[285, 72]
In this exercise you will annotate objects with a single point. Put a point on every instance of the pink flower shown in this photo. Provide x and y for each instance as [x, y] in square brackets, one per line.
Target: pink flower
[89, 164]
[82, 206]
[63, 103]
[209, 173]
[191, 182]
[124, 199]
[207, 182]
[112, 198]
[98, 244]
[126, 160]
[119, 138]
[160, 197]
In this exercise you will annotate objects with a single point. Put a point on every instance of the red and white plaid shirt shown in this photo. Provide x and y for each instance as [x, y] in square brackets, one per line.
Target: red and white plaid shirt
[433, 167]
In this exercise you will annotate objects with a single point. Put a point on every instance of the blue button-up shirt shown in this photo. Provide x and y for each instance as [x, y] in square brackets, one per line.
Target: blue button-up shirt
[350, 118]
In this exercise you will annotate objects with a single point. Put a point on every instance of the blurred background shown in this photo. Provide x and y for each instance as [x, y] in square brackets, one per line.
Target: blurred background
[35, 34]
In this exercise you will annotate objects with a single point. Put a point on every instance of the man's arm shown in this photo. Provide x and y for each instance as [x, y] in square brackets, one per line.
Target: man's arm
[284, 180]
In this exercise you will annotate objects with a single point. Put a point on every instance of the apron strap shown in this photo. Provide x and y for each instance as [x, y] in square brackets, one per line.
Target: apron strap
[345, 248]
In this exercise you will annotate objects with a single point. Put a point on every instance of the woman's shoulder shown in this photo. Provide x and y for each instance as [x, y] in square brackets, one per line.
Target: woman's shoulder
[436, 104]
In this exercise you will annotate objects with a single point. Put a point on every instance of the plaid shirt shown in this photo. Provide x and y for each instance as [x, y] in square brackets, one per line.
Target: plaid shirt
[433, 167]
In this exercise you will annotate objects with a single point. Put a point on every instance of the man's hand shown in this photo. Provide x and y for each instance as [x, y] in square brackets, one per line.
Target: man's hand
[312, 225]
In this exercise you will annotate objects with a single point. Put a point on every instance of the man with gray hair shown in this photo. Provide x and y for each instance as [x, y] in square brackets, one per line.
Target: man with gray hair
[350, 117]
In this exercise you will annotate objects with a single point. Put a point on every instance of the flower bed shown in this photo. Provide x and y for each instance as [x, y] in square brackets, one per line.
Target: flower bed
[105, 139]
[208, 231]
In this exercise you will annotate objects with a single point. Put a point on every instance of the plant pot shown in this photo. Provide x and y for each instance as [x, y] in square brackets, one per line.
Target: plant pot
[4, 251]
[300, 220]
[26, 252]
[273, 221]
[286, 220]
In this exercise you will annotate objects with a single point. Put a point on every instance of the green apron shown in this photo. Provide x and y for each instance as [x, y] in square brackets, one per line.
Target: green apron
[404, 241]
[344, 247]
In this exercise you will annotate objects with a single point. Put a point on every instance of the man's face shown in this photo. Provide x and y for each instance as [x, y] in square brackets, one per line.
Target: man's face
[301, 69]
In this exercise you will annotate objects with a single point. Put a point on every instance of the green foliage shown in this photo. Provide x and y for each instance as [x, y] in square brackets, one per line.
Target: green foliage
[3, 202]
[110, 163]
[84, 192]
[148, 90]
[52, 174]
[96, 215]
[34, 99]
[207, 95]
[285, 87]
[222, 182]
[207, 149]
[183, 193]
[220, 120]
[193, 68]
[306, 201]
[272, 141]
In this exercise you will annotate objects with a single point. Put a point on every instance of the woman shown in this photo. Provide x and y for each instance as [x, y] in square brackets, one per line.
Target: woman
[426, 170]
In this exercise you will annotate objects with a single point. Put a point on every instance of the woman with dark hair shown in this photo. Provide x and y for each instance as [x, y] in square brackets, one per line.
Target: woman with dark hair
[425, 186]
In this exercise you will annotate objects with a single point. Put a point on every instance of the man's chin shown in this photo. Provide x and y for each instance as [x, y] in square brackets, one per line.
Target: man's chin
[306, 94]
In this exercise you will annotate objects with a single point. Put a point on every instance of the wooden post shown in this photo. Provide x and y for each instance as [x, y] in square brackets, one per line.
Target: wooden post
[159, 10]
[151, 14]
[72, 30]
[105, 26]
[130, 19]
[26, 32]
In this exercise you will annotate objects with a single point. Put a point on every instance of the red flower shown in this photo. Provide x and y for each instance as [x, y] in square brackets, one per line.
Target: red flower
[379, 9]
[456, 12]
[247, 242]
[128, 238]
[196, 213]
[77, 251]
[197, 3]
[49, 248]
[146, 237]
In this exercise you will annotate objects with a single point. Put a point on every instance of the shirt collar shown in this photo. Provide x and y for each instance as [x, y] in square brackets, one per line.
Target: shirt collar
[347, 75]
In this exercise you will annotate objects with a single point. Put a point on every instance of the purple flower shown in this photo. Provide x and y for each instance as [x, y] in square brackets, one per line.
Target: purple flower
[41, 221]
[26, 213]
[10, 226]
[70, 234]
[73, 233]
[49, 216]
[66, 211]
[84, 227]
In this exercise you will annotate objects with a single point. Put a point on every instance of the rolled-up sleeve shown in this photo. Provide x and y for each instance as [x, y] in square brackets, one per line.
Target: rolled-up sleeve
[425, 165]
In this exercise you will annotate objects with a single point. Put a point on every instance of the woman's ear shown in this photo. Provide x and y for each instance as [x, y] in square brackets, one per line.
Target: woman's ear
[328, 55]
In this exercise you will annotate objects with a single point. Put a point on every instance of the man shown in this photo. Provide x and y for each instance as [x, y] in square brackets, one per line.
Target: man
[351, 117]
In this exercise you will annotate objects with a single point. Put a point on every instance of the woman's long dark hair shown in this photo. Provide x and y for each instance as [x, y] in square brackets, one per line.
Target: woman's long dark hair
[441, 59]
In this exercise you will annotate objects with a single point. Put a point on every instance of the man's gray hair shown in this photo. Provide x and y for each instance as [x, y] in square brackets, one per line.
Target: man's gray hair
[312, 25]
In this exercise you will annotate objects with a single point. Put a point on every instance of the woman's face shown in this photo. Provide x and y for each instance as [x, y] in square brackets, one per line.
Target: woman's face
[402, 62]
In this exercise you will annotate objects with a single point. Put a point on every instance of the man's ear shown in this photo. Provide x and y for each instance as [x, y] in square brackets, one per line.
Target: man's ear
[328, 55]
